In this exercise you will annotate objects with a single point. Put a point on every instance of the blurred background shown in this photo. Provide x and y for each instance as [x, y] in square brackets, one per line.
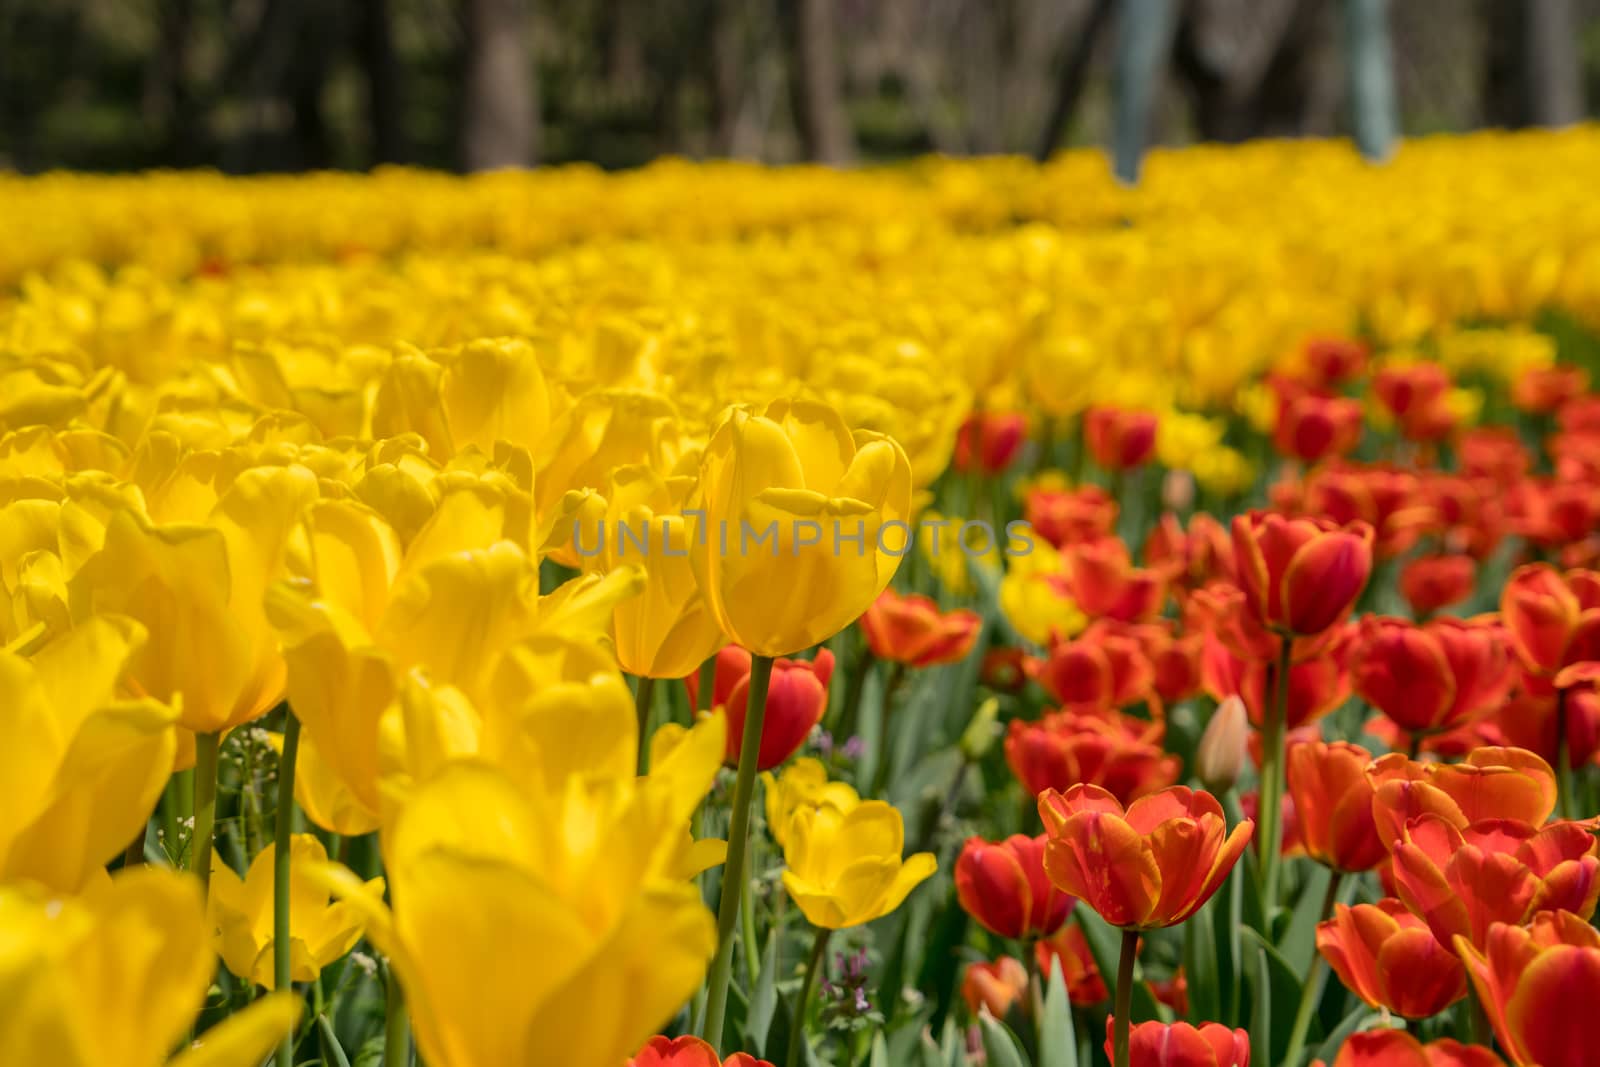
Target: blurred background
[287, 85]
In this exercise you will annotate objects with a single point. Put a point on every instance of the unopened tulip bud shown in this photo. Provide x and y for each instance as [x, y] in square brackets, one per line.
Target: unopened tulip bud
[1221, 754]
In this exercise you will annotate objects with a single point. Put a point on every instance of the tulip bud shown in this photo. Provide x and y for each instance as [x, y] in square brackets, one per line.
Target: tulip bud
[980, 732]
[996, 986]
[1220, 756]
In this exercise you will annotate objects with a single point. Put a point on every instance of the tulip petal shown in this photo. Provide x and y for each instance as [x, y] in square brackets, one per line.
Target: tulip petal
[1107, 864]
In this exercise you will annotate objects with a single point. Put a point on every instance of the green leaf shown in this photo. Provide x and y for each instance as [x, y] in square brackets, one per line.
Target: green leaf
[1299, 945]
[880, 1051]
[931, 1054]
[1105, 945]
[938, 976]
[370, 1054]
[1358, 1018]
[1261, 1014]
[1000, 1045]
[953, 1043]
[330, 1043]
[765, 999]
[1200, 965]
[1283, 985]
[1058, 1045]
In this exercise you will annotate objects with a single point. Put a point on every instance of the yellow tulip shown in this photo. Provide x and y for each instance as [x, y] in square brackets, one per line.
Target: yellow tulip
[80, 769]
[588, 880]
[1032, 598]
[241, 915]
[803, 784]
[666, 631]
[200, 591]
[116, 976]
[844, 867]
[803, 524]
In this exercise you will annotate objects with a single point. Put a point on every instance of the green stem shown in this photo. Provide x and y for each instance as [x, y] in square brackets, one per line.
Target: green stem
[733, 875]
[1311, 991]
[641, 702]
[747, 927]
[1565, 795]
[708, 679]
[850, 707]
[797, 1028]
[396, 1022]
[206, 750]
[1271, 806]
[283, 848]
[1122, 1024]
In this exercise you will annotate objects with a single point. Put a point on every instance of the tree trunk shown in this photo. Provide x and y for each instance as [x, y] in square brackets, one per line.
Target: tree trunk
[500, 115]
[1374, 113]
[1533, 76]
[384, 108]
[814, 90]
[1144, 41]
[1074, 76]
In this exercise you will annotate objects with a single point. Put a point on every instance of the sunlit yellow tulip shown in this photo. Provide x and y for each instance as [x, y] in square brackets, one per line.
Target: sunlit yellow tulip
[844, 868]
[117, 976]
[803, 524]
[802, 784]
[589, 881]
[241, 913]
[199, 590]
[666, 631]
[80, 769]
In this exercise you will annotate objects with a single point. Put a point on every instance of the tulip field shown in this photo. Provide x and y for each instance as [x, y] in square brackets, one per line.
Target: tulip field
[968, 612]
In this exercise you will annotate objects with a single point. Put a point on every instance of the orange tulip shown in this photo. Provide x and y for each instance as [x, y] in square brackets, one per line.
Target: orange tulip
[1070, 947]
[1069, 516]
[1416, 394]
[797, 696]
[688, 1051]
[1540, 390]
[1158, 1044]
[1461, 881]
[1540, 986]
[1434, 676]
[1117, 752]
[1202, 553]
[996, 986]
[1151, 865]
[1100, 670]
[1430, 583]
[1490, 783]
[1102, 579]
[1553, 621]
[1333, 803]
[1300, 576]
[1119, 440]
[1174, 658]
[1387, 499]
[989, 440]
[912, 630]
[1002, 884]
[1536, 719]
[1387, 957]
[1396, 1048]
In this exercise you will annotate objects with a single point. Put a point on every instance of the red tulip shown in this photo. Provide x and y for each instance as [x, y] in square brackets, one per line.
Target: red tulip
[912, 630]
[1158, 1044]
[1301, 576]
[1535, 718]
[1316, 686]
[1541, 390]
[1003, 885]
[1416, 395]
[688, 1051]
[1387, 957]
[1103, 581]
[995, 986]
[1388, 500]
[1151, 865]
[1495, 453]
[1100, 670]
[1312, 428]
[1195, 556]
[1432, 676]
[1396, 1048]
[1070, 948]
[989, 440]
[1331, 361]
[797, 696]
[1432, 582]
[1120, 440]
[1333, 804]
[1117, 752]
[1540, 987]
